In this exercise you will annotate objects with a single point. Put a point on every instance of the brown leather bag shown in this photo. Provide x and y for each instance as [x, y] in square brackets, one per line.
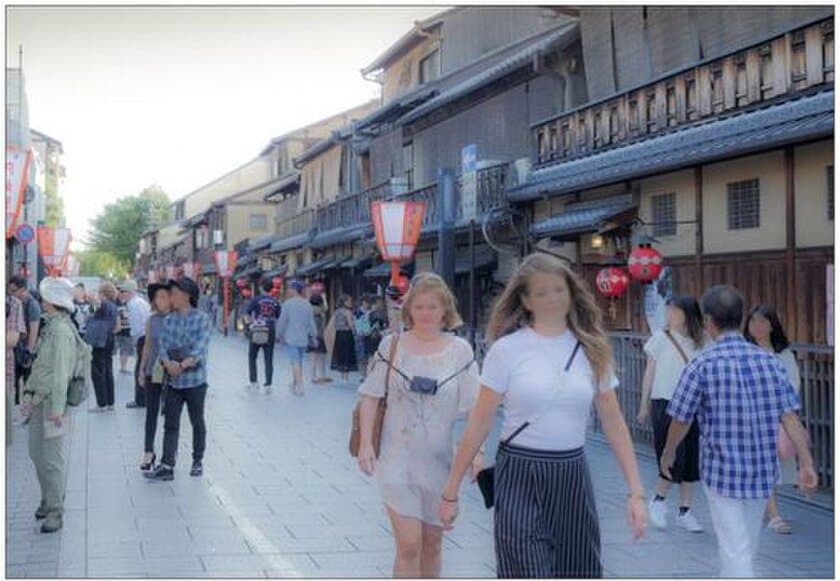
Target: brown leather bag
[379, 418]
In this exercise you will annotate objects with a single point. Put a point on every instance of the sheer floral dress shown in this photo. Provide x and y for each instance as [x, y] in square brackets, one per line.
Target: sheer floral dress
[417, 439]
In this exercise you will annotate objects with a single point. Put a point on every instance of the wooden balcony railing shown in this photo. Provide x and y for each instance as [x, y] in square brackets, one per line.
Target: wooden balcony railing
[782, 66]
[351, 210]
[296, 224]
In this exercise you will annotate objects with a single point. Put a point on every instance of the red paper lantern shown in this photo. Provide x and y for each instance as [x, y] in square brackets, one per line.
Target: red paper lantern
[397, 227]
[246, 292]
[317, 288]
[645, 263]
[277, 281]
[612, 281]
[275, 292]
[241, 283]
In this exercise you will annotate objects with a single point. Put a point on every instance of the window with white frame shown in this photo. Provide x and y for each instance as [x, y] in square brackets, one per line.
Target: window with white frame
[743, 204]
[259, 222]
[663, 210]
[430, 67]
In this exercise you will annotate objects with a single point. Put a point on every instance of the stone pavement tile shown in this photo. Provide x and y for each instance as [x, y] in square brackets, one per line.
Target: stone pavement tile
[270, 544]
[314, 531]
[254, 565]
[215, 534]
[335, 561]
[183, 566]
[118, 549]
[110, 567]
[157, 549]
[639, 562]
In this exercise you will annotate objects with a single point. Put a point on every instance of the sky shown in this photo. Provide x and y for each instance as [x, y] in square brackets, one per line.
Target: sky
[178, 96]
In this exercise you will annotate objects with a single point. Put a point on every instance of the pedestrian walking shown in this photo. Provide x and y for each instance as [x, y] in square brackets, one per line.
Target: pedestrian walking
[428, 377]
[124, 345]
[262, 314]
[319, 350]
[138, 315]
[14, 329]
[739, 393]
[549, 360]
[183, 345]
[668, 352]
[45, 398]
[151, 368]
[362, 330]
[763, 328]
[378, 327]
[100, 333]
[296, 328]
[26, 345]
[83, 307]
[344, 353]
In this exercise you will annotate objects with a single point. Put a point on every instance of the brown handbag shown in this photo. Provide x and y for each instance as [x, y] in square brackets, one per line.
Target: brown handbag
[379, 418]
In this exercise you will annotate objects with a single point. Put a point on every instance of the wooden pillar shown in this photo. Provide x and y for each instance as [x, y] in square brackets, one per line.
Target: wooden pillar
[698, 217]
[790, 322]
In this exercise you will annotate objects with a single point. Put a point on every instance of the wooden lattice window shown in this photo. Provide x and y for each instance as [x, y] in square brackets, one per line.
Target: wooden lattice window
[663, 209]
[691, 98]
[743, 204]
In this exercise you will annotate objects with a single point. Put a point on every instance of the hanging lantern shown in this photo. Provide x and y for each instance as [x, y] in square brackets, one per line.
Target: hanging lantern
[277, 282]
[612, 281]
[241, 283]
[397, 226]
[275, 292]
[53, 247]
[317, 288]
[246, 292]
[645, 263]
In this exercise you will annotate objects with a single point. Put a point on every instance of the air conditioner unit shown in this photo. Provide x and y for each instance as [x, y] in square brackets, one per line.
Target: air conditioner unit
[218, 236]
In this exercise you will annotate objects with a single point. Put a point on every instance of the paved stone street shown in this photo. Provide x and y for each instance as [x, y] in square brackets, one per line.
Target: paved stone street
[282, 497]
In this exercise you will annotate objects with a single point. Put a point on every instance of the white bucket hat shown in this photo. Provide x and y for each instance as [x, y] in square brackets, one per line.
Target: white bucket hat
[58, 292]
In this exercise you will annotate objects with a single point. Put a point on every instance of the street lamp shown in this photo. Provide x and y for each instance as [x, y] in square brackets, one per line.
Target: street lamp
[397, 226]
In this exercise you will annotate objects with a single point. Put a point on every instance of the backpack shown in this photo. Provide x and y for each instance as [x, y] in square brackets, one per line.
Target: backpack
[259, 332]
[80, 380]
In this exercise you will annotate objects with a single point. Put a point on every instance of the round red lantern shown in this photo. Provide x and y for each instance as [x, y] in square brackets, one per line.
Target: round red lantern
[277, 281]
[645, 263]
[317, 288]
[275, 292]
[612, 281]
[241, 283]
[246, 292]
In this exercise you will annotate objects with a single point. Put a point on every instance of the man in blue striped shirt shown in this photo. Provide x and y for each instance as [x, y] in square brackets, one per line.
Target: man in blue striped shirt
[740, 394]
[184, 341]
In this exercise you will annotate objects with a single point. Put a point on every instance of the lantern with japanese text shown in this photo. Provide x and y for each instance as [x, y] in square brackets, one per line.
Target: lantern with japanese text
[225, 265]
[397, 226]
[645, 263]
[612, 282]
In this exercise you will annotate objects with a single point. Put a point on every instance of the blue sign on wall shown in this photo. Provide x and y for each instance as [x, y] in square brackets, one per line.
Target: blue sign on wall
[25, 233]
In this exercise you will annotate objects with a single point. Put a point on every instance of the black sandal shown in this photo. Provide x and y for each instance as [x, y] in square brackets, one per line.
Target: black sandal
[146, 466]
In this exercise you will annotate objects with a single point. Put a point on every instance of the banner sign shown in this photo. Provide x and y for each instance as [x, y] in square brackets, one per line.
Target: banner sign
[18, 163]
[53, 246]
[225, 263]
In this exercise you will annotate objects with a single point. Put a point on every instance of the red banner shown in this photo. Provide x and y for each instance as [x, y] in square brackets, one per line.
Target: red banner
[18, 163]
[225, 263]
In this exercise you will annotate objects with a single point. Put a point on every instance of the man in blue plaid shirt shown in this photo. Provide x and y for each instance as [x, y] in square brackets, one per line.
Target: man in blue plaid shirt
[184, 342]
[739, 394]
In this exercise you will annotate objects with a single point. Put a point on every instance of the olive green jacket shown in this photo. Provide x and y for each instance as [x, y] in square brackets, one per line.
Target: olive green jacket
[54, 363]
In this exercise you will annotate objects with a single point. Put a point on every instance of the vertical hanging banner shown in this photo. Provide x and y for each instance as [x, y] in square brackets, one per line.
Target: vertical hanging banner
[225, 263]
[53, 247]
[18, 163]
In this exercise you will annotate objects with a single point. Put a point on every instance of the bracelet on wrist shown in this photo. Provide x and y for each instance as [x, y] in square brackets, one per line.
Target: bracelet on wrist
[640, 495]
[448, 499]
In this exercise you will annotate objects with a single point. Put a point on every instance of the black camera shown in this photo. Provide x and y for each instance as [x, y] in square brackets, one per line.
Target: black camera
[426, 385]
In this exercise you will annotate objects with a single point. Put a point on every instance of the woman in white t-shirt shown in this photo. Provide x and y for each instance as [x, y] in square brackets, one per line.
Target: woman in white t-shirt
[668, 352]
[548, 361]
[764, 328]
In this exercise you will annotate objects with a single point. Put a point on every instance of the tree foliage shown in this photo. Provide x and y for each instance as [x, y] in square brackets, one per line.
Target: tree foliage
[118, 228]
[104, 264]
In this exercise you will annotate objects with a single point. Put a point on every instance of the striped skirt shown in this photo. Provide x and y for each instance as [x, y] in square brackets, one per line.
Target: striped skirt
[546, 524]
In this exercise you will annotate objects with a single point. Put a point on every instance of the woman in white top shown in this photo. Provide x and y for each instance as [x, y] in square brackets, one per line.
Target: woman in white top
[548, 361]
[668, 352]
[417, 435]
[764, 328]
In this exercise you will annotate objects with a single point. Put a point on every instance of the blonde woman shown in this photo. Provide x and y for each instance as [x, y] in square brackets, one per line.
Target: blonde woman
[433, 379]
[548, 361]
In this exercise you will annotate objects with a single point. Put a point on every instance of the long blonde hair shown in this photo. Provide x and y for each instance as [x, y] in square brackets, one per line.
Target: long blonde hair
[426, 282]
[584, 319]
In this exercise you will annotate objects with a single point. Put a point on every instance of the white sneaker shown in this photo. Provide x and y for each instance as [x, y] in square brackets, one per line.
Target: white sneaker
[656, 510]
[252, 386]
[688, 522]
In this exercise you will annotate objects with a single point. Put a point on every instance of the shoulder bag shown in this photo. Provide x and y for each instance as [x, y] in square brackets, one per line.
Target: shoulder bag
[379, 418]
[486, 479]
[677, 345]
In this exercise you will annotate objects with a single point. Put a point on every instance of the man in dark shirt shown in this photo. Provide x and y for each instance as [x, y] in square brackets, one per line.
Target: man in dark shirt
[25, 349]
[263, 311]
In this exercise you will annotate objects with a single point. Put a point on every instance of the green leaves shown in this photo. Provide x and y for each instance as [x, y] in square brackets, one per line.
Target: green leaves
[117, 230]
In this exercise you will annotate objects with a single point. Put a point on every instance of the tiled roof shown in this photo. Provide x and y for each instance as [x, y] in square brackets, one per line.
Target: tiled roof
[805, 118]
[585, 217]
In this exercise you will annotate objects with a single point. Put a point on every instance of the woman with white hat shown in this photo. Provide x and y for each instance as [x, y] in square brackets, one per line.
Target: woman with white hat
[45, 398]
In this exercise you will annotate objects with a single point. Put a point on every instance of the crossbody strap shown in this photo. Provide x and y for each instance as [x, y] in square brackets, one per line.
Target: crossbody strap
[677, 345]
[526, 424]
[390, 363]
